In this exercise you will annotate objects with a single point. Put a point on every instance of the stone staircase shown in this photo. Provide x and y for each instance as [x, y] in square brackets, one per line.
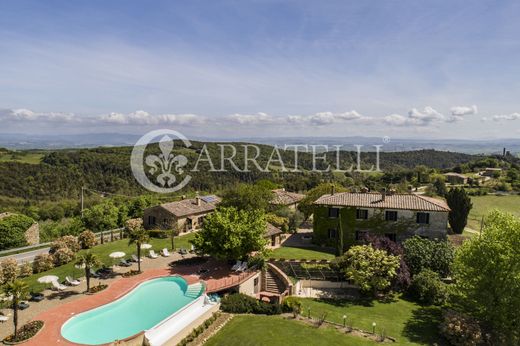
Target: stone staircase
[272, 283]
[194, 290]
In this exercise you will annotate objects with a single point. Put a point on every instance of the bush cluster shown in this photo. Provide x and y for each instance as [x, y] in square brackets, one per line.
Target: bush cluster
[25, 269]
[199, 330]
[157, 233]
[12, 231]
[243, 304]
[42, 263]
[427, 288]
[460, 329]
[87, 239]
[9, 269]
[62, 256]
[26, 332]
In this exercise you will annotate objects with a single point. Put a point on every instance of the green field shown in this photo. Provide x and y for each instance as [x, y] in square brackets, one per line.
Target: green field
[311, 253]
[406, 321]
[409, 323]
[482, 205]
[102, 251]
[251, 330]
[22, 156]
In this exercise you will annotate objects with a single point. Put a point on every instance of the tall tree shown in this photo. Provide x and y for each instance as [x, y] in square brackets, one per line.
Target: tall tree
[460, 205]
[247, 197]
[137, 235]
[487, 277]
[18, 289]
[231, 234]
[306, 204]
[174, 231]
[88, 260]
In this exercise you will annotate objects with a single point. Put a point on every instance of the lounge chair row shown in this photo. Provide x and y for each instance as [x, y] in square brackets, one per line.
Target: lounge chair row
[239, 266]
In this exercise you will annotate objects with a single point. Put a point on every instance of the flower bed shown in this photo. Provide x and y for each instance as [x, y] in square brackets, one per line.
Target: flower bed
[25, 333]
[131, 273]
[98, 288]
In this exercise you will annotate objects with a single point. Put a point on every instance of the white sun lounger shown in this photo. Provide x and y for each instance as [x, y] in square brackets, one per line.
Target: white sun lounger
[243, 267]
[58, 286]
[152, 254]
[165, 252]
[71, 281]
[236, 266]
[4, 318]
[135, 259]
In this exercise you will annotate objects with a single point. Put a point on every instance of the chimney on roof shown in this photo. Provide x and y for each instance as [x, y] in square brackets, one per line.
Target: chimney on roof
[183, 197]
[383, 194]
[364, 190]
[197, 200]
[332, 190]
[410, 189]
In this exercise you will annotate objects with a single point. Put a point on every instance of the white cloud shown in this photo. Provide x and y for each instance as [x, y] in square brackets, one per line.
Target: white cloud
[415, 118]
[463, 110]
[512, 116]
[145, 118]
[251, 119]
[23, 114]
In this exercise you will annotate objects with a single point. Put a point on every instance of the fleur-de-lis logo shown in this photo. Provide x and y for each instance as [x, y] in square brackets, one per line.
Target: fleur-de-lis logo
[165, 162]
[162, 167]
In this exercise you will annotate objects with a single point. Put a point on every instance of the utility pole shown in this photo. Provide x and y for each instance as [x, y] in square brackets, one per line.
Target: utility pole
[82, 189]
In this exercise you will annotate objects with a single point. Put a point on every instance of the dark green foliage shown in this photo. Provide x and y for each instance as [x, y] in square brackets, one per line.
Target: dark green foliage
[427, 288]
[247, 197]
[158, 233]
[421, 254]
[231, 234]
[460, 205]
[440, 187]
[306, 205]
[243, 304]
[12, 231]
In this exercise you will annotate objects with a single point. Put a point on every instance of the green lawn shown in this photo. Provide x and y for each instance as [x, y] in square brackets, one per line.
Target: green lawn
[482, 205]
[408, 322]
[245, 330]
[102, 251]
[312, 253]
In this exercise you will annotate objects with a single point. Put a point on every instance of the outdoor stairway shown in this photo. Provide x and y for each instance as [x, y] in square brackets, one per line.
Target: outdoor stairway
[273, 283]
[193, 290]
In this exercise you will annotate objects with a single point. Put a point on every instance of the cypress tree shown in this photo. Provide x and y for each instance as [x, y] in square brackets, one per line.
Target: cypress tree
[460, 205]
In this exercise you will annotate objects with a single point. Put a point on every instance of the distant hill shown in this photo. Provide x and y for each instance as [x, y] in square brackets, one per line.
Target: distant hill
[61, 173]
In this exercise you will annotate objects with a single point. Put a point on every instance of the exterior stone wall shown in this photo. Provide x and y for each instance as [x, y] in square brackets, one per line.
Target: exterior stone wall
[404, 228]
[32, 235]
[166, 220]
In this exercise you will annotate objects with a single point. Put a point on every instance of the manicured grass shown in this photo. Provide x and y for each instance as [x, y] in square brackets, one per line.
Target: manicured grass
[102, 251]
[311, 253]
[245, 330]
[406, 321]
[482, 205]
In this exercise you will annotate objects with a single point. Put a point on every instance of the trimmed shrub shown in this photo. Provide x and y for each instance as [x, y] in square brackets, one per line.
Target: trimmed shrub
[460, 329]
[43, 263]
[157, 233]
[25, 269]
[87, 239]
[10, 270]
[243, 304]
[71, 242]
[12, 231]
[420, 254]
[427, 288]
[292, 305]
[62, 256]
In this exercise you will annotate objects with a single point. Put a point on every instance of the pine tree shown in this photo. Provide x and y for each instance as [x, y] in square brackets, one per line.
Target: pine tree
[460, 205]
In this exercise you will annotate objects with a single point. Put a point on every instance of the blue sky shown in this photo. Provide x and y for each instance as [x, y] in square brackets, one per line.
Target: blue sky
[437, 69]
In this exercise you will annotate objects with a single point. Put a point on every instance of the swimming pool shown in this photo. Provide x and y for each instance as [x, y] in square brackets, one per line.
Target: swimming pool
[141, 309]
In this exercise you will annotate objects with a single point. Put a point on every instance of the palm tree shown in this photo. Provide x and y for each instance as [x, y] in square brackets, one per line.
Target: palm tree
[137, 235]
[19, 290]
[89, 261]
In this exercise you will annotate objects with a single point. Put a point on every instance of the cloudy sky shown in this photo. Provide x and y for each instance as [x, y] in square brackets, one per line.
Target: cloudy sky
[417, 69]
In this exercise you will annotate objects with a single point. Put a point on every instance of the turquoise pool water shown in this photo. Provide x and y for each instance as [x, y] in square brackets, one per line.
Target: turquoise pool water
[142, 308]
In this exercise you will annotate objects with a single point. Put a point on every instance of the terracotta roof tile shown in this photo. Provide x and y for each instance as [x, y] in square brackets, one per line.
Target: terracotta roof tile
[392, 201]
[271, 230]
[189, 206]
[282, 197]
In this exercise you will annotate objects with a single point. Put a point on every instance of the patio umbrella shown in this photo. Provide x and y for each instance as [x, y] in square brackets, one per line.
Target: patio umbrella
[117, 254]
[47, 279]
[146, 246]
